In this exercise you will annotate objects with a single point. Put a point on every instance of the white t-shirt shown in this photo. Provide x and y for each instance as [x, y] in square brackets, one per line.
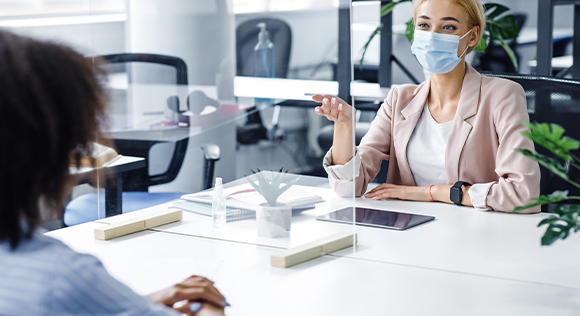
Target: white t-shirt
[426, 150]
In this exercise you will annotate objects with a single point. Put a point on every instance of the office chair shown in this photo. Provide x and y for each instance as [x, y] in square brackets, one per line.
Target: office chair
[85, 208]
[246, 39]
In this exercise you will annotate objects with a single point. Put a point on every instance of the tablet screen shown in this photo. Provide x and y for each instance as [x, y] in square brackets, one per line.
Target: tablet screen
[376, 218]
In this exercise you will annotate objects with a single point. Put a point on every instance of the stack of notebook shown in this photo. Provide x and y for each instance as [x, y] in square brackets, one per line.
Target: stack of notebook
[242, 201]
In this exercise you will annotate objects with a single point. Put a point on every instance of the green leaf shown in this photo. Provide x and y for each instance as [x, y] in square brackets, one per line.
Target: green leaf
[510, 53]
[504, 28]
[410, 31]
[387, 8]
[482, 45]
[547, 162]
[493, 10]
[560, 225]
[375, 32]
[500, 26]
[548, 220]
[551, 137]
[557, 196]
[549, 238]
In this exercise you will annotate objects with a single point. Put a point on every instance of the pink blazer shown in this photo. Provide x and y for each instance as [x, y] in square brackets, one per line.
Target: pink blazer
[485, 131]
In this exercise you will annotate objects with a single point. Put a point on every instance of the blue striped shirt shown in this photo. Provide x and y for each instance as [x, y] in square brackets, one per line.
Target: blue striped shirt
[42, 276]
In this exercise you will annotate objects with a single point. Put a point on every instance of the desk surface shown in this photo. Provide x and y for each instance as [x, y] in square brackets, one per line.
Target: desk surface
[464, 261]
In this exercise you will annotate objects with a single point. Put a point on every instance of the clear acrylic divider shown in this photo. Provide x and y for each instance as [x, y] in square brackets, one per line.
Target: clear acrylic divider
[193, 92]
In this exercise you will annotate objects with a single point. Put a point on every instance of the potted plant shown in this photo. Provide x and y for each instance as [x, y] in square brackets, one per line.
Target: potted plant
[501, 27]
[565, 218]
[273, 217]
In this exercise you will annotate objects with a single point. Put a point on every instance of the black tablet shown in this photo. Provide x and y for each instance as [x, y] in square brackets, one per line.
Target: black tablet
[376, 218]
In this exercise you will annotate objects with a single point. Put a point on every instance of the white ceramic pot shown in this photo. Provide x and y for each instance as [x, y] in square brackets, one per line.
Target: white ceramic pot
[274, 221]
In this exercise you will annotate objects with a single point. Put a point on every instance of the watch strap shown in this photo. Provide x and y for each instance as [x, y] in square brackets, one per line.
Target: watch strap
[456, 193]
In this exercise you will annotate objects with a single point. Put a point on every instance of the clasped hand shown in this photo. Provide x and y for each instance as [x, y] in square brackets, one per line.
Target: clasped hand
[198, 293]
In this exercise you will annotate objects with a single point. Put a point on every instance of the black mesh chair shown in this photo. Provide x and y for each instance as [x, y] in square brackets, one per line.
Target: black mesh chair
[326, 135]
[85, 207]
[552, 100]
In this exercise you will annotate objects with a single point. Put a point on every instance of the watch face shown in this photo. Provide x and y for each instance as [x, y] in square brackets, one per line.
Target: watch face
[455, 195]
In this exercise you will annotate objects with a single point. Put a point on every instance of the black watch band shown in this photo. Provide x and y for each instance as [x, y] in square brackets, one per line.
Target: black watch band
[456, 193]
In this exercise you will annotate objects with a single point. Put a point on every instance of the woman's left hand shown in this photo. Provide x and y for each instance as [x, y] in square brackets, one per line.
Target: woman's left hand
[402, 192]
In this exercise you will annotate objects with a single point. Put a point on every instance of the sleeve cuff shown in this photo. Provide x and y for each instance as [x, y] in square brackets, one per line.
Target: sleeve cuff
[478, 195]
[342, 172]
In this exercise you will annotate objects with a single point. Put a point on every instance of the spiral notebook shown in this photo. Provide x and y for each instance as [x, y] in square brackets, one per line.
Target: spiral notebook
[246, 198]
[232, 215]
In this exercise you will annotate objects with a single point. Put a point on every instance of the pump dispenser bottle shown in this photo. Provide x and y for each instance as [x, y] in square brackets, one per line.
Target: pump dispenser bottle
[264, 60]
[218, 205]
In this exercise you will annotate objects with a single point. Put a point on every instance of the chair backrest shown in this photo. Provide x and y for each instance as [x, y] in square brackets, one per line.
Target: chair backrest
[175, 62]
[140, 180]
[552, 100]
[247, 38]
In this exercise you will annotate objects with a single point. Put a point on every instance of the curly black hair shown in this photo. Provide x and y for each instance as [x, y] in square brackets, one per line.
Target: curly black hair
[51, 108]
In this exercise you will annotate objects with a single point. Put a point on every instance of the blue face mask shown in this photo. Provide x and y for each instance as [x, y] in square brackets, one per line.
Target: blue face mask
[437, 52]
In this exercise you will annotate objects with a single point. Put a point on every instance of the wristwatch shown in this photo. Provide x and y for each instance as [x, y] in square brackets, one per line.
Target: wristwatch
[456, 194]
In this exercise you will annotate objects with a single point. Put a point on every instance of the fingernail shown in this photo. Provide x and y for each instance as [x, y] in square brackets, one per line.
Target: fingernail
[195, 307]
[317, 110]
[325, 101]
[340, 107]
[333, 100]
[225, 304]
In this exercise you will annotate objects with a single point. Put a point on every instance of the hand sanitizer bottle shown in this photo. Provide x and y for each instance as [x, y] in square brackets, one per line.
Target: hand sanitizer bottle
[218, 205]
[264, 61]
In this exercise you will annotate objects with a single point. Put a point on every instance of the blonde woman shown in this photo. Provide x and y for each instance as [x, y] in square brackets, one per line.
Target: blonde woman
[450, 139]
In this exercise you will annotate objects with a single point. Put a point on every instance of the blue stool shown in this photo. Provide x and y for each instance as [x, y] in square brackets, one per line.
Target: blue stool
[84, 208]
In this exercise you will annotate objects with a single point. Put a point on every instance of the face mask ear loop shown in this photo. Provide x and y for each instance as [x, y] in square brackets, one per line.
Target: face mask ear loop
[466, 34]
[467, 46]
[464, 52]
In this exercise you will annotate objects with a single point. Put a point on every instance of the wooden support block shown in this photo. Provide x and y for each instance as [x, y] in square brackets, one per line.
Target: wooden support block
[315, 249]
[106, 232]
[162, 218]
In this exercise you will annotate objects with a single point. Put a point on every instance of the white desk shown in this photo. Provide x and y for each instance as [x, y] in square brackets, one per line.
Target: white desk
[465, 262]
[330, 285]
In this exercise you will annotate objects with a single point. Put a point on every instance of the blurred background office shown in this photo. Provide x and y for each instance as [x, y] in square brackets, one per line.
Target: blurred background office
[182, 94]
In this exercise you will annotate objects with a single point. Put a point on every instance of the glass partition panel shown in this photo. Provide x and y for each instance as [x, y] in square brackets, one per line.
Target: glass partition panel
[200, 90]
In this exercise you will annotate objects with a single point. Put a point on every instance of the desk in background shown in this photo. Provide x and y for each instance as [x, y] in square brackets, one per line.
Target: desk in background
[113, 180]
[298, 93]
[545, 36]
